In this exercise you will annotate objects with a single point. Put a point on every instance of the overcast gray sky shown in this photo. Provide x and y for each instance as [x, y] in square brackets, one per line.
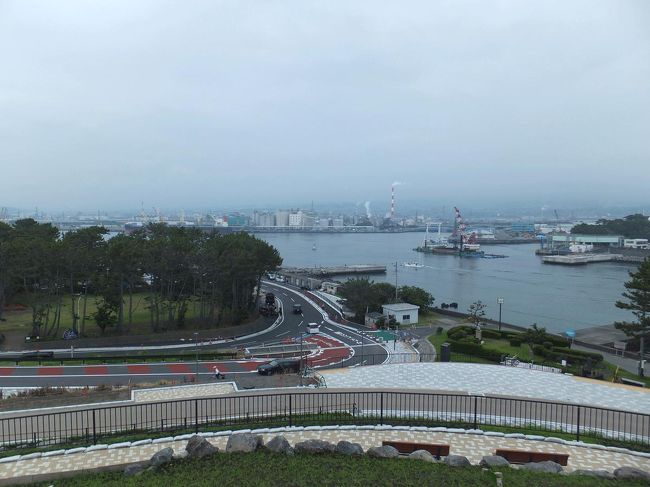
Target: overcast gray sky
[104, 104]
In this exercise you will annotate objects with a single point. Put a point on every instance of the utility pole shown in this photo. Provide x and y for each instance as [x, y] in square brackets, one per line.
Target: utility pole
[500, 303]
[196, 347]
[395, 281]
[301, 371]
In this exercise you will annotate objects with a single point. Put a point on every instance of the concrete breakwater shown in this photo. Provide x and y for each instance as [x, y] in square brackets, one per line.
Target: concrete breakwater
[579, 259]
[337, 270]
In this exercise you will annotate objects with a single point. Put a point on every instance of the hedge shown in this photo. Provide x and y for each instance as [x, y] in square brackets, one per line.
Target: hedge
[557, 341]
[475, 350]
[597, 357]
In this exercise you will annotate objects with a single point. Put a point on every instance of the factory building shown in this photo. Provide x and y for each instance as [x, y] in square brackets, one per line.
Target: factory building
[595, 240]
[282, 218]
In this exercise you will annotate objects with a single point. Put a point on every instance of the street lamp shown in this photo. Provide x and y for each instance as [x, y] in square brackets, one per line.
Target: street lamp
[196, 347]
[362, 347]
[301, 371]
[500, 303]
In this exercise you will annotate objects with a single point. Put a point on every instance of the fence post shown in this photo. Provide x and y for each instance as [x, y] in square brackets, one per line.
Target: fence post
[290, 407]
[196, 416]
[475, 412]
[94, 429]
[381, 408]
[578, 426]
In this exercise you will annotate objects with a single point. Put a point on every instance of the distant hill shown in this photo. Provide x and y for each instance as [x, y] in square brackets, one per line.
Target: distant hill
[631, 226]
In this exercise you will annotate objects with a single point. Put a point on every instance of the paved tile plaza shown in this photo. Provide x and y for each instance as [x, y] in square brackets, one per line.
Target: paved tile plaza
[182, 392]
[473, 446]
[492, 379]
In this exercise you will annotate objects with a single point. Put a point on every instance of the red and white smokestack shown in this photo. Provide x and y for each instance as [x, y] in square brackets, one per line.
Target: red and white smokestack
[392, 202]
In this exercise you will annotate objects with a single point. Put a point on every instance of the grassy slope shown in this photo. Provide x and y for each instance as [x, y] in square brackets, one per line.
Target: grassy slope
[21, 321]
[524, 353]
[268, 469]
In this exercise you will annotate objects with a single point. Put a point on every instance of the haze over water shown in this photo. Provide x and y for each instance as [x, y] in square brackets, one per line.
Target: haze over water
[556, 297]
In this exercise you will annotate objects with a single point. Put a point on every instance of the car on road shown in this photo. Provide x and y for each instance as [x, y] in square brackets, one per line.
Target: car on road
[279, 366]
[313, 328]
[297, 309]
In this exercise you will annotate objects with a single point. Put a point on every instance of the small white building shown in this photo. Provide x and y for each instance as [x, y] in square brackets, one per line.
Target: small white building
[636, 243]
[404, 313]
[330, 287]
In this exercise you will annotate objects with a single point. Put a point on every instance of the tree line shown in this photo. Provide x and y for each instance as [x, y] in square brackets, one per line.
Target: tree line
[632, 226]
[363, 295]
[171, 267]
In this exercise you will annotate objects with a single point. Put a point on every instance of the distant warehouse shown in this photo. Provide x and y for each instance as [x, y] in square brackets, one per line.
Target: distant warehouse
[595, 240]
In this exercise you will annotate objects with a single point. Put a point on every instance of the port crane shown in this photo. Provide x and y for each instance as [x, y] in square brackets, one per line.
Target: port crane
[466, 242]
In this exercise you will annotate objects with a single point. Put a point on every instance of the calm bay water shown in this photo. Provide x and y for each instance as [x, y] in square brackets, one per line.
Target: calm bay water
[556, 297]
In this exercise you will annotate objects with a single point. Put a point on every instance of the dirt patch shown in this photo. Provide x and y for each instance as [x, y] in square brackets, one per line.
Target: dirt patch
[63, 397]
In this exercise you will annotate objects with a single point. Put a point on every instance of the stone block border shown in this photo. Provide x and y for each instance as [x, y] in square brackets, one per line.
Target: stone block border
[294, 429]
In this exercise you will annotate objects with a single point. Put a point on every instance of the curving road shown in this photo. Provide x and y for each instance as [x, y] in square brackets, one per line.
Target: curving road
[337, 345]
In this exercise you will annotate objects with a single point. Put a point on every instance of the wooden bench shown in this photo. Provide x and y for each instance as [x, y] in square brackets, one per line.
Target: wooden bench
[406, 447]
[631, 382]
[522, 456]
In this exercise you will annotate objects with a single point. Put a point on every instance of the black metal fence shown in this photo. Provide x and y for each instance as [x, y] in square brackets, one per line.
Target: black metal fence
[314, 407]
[83, 359]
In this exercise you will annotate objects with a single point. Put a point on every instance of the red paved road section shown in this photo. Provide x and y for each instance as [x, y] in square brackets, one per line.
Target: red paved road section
[325, 355]
[96, 370]
[179, 368]
[6, 371]
[138, 369]
[50, 371]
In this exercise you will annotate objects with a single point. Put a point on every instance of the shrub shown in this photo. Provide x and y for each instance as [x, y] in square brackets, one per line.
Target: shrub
[577, 354]
[540, 350]
[476, 350]
[556, 341]
[457, 335]
[515, 342]
[548, 345]
[460, 329]
[492, 334]
[439, 330]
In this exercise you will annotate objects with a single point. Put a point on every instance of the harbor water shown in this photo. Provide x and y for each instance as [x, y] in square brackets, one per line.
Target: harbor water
[556, 297]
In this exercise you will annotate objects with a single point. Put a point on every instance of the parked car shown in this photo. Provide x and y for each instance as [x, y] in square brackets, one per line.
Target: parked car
[279, 366]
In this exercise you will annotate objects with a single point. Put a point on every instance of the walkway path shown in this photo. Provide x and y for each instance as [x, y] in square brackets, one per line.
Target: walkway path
[401, 352]
[494, 380]
[472, 444]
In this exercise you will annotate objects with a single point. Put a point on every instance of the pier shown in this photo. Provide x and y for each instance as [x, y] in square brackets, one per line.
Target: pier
[337, 270]
[580, 259]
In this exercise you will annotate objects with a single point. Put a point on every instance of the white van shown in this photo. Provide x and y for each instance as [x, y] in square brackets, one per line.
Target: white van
[313, 328]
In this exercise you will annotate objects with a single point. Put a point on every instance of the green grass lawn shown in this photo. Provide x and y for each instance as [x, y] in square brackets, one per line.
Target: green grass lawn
[270, 469]
[524, 353]
[21, 321]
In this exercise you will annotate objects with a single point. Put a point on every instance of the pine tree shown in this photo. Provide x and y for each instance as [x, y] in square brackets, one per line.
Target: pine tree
[638, 301]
